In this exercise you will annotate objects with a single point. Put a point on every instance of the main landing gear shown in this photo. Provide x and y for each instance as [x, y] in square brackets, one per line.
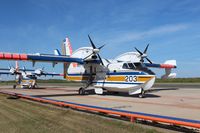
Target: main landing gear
[81, 91]
[142, 94]
[14, 86]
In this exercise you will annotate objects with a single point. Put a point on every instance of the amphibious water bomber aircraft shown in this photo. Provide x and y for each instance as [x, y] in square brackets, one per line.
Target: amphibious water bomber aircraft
[26, 78]
[87, 66]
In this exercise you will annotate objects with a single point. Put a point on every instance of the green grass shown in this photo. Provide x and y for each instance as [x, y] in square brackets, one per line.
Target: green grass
[22, 116]
[179, 80]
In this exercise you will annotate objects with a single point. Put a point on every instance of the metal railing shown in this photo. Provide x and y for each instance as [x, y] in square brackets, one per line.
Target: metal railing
[121, 113]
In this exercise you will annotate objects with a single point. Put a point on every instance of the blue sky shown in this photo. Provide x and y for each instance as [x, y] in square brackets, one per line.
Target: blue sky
[171, 27]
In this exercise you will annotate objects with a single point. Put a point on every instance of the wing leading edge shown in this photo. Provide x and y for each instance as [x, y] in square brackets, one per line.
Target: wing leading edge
[40, 58]
[167, 65]
[160, 65]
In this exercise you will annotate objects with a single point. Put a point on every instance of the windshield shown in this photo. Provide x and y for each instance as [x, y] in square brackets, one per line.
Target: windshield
[128, 66]
[137, 66]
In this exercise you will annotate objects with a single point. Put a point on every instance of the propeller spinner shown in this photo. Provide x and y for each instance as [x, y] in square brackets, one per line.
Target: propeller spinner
[143, 55]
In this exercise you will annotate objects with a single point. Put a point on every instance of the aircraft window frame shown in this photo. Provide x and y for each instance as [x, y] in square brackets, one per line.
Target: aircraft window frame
[125, 66]
[128, 66]
[137, 65]
[131, 66]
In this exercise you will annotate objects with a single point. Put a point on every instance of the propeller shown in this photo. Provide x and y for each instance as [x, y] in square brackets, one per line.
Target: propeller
[143, 55]
[24, 70]
[95, 52]
[12, 70]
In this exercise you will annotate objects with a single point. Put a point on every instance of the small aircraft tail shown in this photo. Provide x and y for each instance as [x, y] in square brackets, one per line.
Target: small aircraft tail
[16, 66]
[66, 47]
[168, 71]
[67, 50]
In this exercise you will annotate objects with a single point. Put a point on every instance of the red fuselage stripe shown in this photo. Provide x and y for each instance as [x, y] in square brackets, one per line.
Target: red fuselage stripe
[9, 56]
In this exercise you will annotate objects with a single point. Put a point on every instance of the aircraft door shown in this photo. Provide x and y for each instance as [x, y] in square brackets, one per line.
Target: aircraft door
[91, 69]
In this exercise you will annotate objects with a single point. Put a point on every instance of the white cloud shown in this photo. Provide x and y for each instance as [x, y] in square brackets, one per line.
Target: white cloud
[161, 30]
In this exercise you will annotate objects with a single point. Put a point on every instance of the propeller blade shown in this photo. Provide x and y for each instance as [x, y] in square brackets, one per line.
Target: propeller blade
[24, 69]
[149, 60]
[138, 51]
[94, 50]
[101, 47]
[145, 51]
[88, 56]
[100, 59]
[94, 47]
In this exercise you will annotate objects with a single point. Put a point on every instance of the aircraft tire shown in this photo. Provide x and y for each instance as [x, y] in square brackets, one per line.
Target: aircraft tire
[31, 87]
[81, 91]
[141, 96]
[14, 86]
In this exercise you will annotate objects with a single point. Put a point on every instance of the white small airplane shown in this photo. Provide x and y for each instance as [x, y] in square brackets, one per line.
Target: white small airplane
[86, 65]
[26, 78]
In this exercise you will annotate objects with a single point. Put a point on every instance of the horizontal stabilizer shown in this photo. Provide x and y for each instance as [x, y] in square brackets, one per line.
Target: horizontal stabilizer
[57, 52]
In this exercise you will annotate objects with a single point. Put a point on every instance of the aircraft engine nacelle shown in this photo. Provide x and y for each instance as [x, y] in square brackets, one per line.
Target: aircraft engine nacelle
[94, 57]
[38, 72]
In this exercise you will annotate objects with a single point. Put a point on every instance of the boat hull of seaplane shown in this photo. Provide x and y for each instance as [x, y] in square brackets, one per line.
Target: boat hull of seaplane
[130, 82]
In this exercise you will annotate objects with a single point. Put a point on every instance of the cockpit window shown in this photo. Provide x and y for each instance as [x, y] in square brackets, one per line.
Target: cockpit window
[137, 66]
[131, 66]
[142, 67]
[125, 66]
[128, 66]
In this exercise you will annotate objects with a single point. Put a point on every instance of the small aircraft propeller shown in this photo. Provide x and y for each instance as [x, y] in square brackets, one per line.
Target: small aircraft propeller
[12, 70]
[24, 69]
[95, 52]
[144, 54]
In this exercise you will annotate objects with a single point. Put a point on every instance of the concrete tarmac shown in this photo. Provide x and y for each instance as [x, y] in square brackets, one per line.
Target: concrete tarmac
[168, 101]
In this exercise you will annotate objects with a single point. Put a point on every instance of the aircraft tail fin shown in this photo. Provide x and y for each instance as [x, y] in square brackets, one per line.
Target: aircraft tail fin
[16, 66]
[66, 47]
[67, 50]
